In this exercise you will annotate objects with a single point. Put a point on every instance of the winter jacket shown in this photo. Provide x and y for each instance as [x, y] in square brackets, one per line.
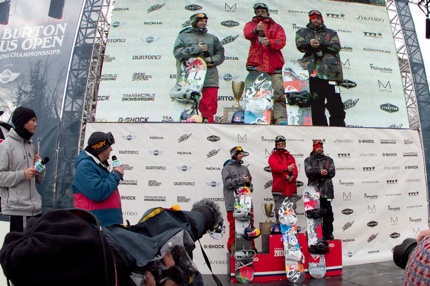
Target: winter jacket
[232, 178]
[95, 189]
[265, 58]
[313, 166]
[186, 46]
[327, 65]
[19, 195]
[279, 161]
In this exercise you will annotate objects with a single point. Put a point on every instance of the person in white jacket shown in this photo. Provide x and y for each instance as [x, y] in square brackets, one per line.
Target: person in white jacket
[18, 175]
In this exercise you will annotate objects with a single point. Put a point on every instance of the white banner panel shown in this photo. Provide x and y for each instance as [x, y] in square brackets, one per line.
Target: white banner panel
[380, 188]
[139, 67]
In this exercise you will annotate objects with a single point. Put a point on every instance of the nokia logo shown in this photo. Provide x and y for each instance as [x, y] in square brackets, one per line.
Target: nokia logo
[213, 138]
[213, 169]
[156, 137]
[184, 153]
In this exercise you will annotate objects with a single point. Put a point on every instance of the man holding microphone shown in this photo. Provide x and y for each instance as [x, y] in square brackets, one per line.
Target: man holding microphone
[18, 175]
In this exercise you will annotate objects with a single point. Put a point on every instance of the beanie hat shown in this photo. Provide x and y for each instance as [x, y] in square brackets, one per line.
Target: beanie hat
[317, 143]
[236, 150]
[315, 14]
[196, 17]
[58, 248]
[21, 116]
[99, 141]
[417, 271]
[261, 6]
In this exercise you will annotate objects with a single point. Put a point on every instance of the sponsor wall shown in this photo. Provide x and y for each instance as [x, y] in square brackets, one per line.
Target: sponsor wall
[139, 67]
[380, 188]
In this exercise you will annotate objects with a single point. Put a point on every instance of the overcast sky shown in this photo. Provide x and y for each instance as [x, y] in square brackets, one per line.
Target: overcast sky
[420, 26]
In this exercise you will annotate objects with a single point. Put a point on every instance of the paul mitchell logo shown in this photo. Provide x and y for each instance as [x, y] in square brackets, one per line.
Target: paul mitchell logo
[388, 107]
[212, 153]
[184, 137]
[372, 238]
[213, 138]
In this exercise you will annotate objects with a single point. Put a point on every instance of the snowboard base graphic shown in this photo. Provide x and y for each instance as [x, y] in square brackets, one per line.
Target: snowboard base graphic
[293, 256]
[296, 87]
[316, 245]
[189, 85]
[243, 253]
[258, 98]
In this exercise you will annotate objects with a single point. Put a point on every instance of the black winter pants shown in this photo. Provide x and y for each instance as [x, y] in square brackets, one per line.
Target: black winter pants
[328, 218]
[325, 96]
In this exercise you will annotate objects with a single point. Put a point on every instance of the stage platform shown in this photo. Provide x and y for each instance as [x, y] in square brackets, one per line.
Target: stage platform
[372, 274]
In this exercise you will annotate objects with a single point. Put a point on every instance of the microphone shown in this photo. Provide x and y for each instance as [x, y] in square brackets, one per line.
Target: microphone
[115, 161]
[40, 165]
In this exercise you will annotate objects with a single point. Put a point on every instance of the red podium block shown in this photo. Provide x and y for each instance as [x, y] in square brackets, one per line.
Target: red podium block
[271, 266]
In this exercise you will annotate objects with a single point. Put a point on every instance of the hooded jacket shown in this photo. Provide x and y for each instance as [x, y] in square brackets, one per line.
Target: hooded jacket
[265, 58]
[327, 65]
[279, 161]
[232, 178]
[186, 46]
[95, 189]
[19, 195]
[313, 166]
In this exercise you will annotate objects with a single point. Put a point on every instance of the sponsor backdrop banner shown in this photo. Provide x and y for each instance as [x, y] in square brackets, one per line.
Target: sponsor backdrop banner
[139, 66]
[380, 190]
[35, 51]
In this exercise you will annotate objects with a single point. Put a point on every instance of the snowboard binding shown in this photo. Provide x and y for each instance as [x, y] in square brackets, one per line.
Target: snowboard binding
[244, 254]
[315, 213]
[241, 214]
[321, 247]
[294, 254]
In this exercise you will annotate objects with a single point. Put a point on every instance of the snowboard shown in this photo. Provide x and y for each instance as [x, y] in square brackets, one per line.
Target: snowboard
[188, 88]
[258, 98]
[243, 254]
[295, 79]
[293, 255]
[317, 247]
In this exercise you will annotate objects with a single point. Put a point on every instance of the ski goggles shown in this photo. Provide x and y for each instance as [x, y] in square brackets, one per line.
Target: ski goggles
[280, 138]
[315, 13]
[260, 6]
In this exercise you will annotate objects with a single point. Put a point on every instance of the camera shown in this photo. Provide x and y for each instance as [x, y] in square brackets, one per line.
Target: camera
[403, 251]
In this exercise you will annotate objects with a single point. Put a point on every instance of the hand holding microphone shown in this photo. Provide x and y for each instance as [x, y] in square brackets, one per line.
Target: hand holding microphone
[116, 164]
[40, 164]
